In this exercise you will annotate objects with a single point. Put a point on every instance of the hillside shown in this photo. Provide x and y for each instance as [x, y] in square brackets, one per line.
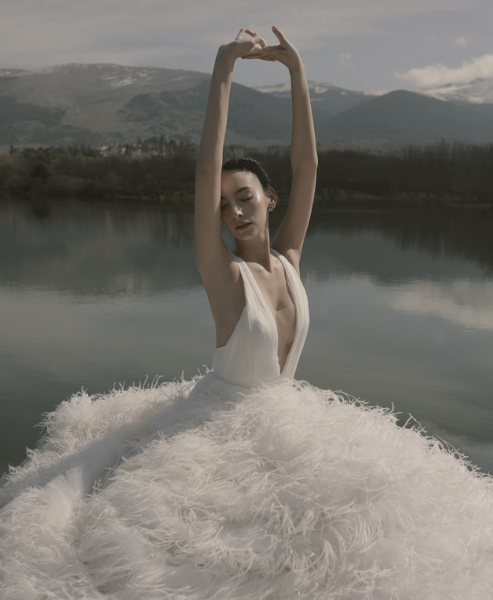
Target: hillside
[110, 104]
[95, 104]
[81, 103]
[388, 120]
[326, 97]
[379, 119]
[253, 117]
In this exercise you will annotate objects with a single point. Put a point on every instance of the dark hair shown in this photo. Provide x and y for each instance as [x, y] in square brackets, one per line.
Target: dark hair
[251, 166]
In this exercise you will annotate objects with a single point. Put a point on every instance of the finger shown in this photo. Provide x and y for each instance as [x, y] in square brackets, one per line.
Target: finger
[279, 34]
[257, 55]
[264, 55]
[255, 36]
[262, 42]
[256, 39]
[274, 50]
[240, 35]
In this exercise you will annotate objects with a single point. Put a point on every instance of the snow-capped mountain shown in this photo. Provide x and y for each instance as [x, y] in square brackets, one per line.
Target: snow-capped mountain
[105, 75]
[315, 87]
[454, 112]
[104, 103]
[325, 96]
[479, 91]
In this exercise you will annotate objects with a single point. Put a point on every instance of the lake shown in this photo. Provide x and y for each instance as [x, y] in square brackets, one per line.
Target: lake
[100, 295]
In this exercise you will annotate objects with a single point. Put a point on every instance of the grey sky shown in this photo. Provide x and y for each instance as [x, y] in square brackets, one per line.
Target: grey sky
[357, 44]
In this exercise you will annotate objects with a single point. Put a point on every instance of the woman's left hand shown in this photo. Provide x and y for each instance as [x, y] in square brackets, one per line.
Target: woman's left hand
[290, 57]
[251, 47]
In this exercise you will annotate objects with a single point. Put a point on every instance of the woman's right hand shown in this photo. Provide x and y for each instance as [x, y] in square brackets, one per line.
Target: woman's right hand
[254, 47]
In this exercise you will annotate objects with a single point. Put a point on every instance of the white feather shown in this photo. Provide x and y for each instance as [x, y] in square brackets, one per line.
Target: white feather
[291, 492]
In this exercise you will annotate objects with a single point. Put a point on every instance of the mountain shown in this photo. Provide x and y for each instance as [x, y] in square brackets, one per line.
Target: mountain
[335, 99]
[103, 103]
[405, 117]
[392, 119]
[397, 118]
[85, 103]
[324, 96]
[478, 91]
[107, 104]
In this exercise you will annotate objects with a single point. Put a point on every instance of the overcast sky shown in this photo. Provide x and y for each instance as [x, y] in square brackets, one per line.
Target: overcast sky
[356, 44]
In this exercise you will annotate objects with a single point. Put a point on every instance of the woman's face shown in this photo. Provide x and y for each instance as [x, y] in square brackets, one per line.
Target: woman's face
[244, 204]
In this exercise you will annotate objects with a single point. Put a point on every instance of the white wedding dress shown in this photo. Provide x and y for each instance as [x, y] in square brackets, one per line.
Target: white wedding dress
[243, 483]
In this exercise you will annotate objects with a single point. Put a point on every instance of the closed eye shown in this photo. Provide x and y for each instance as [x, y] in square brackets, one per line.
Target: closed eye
[223, 206]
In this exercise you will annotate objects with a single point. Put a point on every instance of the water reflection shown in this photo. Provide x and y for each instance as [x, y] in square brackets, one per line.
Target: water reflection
[81, 249]
[400, 298]
[462, 301]
[93, 249]
[437, 233]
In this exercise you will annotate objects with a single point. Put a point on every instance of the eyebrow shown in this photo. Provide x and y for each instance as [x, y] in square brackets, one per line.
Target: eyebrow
[246, 187]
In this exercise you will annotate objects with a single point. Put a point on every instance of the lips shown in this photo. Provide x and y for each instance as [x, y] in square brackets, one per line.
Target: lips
[242, 225]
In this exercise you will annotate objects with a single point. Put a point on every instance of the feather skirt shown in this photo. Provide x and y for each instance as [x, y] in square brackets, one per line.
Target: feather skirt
[169, 492]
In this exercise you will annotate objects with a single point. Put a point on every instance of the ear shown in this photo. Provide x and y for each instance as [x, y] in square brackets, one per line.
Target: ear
[272, 195]
[272, 198]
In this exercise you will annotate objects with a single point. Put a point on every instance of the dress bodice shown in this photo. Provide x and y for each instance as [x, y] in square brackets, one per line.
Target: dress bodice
[249, 358]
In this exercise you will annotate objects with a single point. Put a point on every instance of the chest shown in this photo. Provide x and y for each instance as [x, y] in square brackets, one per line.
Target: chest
[276, 295]
[274, 290]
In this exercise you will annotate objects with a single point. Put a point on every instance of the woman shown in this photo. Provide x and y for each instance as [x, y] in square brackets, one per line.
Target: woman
[238, 194]
[244, 484]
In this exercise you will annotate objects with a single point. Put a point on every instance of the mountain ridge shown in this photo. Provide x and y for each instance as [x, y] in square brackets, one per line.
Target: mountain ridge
[104, 103]
[476, 91]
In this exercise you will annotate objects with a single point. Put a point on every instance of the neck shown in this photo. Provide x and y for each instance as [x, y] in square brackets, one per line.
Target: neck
[256, 250]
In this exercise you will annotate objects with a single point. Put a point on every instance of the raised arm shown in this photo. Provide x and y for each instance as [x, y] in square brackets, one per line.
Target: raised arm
[209, 246]
[218, 269]
[291, 234]
[208, 240]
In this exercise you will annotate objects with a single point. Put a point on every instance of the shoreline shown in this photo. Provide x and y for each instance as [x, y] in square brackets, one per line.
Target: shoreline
[336, 198]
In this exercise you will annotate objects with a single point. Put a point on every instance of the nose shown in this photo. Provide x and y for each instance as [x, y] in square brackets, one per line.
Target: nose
[237, 212]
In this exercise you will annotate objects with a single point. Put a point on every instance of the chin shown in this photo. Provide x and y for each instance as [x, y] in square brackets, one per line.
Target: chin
[243, 235]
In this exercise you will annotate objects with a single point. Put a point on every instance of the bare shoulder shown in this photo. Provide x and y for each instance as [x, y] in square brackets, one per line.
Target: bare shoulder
[291, 255]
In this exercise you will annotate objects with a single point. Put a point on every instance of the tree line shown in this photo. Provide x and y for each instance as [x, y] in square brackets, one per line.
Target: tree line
[163, 169]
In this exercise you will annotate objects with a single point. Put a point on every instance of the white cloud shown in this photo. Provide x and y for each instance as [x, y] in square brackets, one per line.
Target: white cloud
[462, 42]
[434, 75]
[462, 302]
[345, 59]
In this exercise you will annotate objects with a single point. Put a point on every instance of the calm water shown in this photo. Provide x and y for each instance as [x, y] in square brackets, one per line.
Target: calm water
[99, 295]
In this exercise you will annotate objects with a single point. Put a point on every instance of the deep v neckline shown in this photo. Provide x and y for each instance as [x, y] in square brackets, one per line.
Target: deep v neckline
[267, 308]
[251, 354]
